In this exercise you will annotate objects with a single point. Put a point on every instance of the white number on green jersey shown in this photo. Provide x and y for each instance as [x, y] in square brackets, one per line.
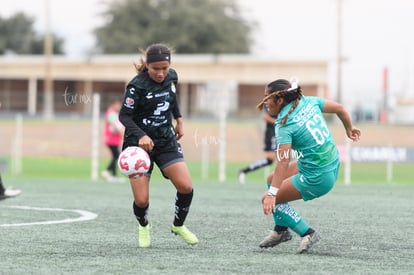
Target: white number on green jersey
[318, 129]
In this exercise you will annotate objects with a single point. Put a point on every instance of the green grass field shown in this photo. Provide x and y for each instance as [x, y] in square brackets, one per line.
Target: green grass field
[79, 168]
[366, 228]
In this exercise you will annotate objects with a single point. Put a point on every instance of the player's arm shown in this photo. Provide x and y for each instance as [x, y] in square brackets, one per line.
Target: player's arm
[179, 131]
[129, 105]
[279, 175]
[338, 109]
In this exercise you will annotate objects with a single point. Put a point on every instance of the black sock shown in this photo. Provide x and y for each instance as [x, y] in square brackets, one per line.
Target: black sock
[256, 165]
[310, 231]
[141, 214]
[279, 228]
[182, 206]
[1, 187]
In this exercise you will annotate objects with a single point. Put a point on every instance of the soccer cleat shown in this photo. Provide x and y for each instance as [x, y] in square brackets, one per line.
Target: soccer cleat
[275, 238]
[10, 193]
[144, 239]
[308, 241]
[184, 233]
[242, 177]
[106, 175]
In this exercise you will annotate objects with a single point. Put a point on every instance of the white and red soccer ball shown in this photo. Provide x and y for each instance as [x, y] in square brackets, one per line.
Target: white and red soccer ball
[134, 162]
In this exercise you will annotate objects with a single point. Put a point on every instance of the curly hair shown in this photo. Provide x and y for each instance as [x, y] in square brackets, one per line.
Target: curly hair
[283, 88]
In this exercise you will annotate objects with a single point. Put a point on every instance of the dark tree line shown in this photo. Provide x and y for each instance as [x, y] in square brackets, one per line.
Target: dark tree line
[188, 26]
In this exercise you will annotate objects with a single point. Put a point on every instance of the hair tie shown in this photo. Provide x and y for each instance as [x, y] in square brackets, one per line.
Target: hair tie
[294, 84]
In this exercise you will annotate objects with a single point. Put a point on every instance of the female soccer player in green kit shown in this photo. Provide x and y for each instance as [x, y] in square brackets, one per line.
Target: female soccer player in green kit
[301, 131]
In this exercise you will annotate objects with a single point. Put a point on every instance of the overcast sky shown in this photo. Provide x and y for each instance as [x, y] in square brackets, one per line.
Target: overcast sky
[376, 34]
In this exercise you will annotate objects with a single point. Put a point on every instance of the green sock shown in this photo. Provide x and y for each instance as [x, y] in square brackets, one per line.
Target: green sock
[286, 215]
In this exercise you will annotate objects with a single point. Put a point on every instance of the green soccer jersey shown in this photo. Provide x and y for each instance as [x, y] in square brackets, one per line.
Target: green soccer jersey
[307, 132]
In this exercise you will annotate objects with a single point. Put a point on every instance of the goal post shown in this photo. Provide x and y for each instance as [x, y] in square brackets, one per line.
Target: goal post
[96, 102]
[16, 167]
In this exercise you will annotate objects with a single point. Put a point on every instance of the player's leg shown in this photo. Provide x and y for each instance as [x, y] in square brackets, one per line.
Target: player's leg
[286, 217]
[311, 188]
[6, 193]
[298, 187]
[180, 177]
[2, 189]
[270, 156]
[280, 232]
[108, 173]
[115, 155]
[140, 191]
[115, 152]
[268, 160]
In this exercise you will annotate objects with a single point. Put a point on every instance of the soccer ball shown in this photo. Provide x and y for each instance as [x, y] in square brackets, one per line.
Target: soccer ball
[134, 162]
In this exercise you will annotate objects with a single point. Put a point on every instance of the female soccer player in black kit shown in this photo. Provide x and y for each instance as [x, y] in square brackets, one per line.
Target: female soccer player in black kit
[150, 103]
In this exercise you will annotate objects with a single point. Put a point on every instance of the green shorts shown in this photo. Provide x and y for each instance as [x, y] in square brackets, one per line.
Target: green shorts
[315, 186]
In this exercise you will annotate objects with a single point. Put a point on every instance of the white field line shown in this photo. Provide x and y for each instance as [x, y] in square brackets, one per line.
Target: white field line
[84, 216]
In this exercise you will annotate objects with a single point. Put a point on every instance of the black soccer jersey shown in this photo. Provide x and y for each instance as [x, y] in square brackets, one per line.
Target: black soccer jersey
[148, 107]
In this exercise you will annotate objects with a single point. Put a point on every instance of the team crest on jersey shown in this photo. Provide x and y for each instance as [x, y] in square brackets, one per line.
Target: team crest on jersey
[129, 102]
[173, 87]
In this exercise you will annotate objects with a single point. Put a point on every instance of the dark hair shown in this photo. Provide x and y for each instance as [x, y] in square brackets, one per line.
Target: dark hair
[153, 53]
[282, 88]
[278, 85]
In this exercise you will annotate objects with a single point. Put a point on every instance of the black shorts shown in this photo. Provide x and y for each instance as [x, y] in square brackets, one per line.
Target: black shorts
[162, 155]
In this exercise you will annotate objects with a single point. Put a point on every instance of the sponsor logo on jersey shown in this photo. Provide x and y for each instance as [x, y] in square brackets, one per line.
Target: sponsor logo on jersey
[173, 87]
[165, 94]
[146, 121]
[129, 102]
[149, 95]
[304, 114]
[131, 90]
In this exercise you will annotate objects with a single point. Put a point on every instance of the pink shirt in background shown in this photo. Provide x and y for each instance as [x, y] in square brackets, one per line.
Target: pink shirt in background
[113, 128]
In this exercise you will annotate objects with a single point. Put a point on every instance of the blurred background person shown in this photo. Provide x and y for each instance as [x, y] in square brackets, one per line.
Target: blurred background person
[6, 193]
[269, 148]
[113, 136]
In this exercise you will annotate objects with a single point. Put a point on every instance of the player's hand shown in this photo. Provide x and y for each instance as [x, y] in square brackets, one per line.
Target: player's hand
[179, 132]
[269, 204]
[146, 143]
[354, 134]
